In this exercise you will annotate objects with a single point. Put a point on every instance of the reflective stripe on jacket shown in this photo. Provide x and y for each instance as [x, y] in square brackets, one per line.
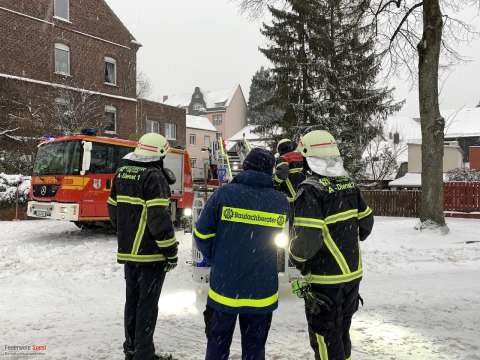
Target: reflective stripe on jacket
[236, 232]
[139, 211]
[289, 174]
[330, 218]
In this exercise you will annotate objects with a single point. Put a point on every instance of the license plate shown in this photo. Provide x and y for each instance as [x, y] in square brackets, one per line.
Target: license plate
[41, 213]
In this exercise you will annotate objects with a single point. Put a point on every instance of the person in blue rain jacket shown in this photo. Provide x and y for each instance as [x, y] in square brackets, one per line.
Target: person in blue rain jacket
[236, 231]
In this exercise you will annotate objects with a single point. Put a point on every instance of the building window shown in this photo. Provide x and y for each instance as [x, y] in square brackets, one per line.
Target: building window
[206, 141]
[110, 71]
[193, 139]
[62, 9]
[217, 119]
[152, 126]
[62, 59]
[171, 131]
[110, 120]
[197, 107]
[193, 162]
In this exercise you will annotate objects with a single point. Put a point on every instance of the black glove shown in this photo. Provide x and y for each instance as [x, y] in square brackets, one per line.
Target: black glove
[171, 264]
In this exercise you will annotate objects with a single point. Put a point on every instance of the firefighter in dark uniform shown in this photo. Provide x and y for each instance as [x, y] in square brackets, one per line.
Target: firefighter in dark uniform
[289, 172]
[139, 211]
[236, 231]
[329, 221]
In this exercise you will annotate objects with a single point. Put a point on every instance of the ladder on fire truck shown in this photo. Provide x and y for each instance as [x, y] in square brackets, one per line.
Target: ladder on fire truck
[232, 159]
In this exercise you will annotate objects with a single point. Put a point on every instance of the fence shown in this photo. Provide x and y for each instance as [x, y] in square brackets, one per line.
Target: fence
[460, 199]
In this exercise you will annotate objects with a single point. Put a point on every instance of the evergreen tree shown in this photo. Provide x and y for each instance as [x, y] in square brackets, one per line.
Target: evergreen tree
[263, 109]
[325, 69]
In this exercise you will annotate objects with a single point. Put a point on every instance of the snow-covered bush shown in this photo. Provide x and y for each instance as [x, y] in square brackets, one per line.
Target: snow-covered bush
[8, 189]
[463, 175]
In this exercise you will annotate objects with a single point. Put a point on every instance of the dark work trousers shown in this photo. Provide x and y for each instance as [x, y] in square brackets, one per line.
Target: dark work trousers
[329, 323]
[144, 283]
[219, 328]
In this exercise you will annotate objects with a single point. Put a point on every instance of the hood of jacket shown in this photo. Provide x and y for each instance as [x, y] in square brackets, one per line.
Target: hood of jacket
[254, 178]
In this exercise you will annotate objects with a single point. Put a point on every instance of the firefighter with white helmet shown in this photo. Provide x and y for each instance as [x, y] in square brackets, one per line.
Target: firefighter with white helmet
[139, 211]
[330, 218]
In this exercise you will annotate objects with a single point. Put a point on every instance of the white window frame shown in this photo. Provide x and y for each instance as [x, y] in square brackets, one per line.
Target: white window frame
[112, 110]
[193, 162]
[110, 60]
[216, 121]
[67, 2]
[197, 107]
[168, 135]
[66, 48]
[152, 126]
[205, 137]
[194, 137]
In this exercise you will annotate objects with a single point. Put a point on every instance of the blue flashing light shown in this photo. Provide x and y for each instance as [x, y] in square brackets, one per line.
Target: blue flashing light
[89, 132]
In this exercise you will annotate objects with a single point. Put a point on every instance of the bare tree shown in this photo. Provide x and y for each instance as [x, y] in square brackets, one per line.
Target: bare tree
[381, 159]
[419, 29]
[144, 86]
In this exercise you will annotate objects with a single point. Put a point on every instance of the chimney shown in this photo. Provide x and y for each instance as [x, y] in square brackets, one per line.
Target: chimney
[165, 98]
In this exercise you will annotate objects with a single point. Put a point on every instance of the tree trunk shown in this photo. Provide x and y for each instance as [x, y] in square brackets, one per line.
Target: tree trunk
[432, 121]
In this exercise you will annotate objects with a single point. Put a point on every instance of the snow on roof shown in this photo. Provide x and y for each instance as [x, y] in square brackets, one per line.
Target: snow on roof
[407, 127]
[250, 135]
[213, 99]
[179, 100]
[462, 123]
[200, 122]
[410, 180]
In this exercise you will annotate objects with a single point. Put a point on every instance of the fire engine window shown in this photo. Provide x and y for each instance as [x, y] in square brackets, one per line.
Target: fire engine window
[106, 158]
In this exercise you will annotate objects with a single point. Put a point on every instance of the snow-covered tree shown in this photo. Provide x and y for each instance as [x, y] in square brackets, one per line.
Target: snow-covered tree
[326, 70]
[263, 107]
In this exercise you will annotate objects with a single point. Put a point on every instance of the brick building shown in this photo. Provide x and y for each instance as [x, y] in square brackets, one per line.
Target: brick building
[64, 51]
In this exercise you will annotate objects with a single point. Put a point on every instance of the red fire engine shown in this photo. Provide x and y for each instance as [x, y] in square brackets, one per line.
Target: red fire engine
[72, 178]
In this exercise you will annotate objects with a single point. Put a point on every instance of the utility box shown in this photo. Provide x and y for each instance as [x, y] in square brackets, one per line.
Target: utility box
[475, 157]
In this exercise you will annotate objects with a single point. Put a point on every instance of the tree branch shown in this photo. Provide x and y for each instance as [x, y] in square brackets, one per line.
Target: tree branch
[405, 17]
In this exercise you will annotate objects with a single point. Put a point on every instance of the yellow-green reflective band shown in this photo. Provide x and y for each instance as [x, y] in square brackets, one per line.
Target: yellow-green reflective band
[277, 179]
[158, 202]
[349, 358]
[290, 200]
[290, 188]
[141, 258]
[322, 347]
[166, 243]
[346, 215]
[140, 231]
[295, 170]
[282, 163]
[296, 258]
[309, 222]
[130, 200]
[236, 303]
[203, 236]
[253, 217]
[111, 201]
[335, 251]
[172, 258]
[365, 213]
[334, 279]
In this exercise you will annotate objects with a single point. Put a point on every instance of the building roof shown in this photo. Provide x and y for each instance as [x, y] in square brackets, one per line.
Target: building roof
[213, 99]
[410, 180]
[462, 123]
[200, 122]
[255, 139]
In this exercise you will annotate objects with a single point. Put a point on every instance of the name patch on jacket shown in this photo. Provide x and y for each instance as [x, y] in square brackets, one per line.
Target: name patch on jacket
[253, 217]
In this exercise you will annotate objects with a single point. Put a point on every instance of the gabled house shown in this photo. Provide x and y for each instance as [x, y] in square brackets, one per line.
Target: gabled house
[226, 109]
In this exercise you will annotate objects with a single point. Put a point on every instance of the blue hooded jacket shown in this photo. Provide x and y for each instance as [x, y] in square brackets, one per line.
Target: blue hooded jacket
[236, 232]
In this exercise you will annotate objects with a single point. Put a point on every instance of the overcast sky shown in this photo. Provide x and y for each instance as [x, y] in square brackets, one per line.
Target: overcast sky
[208, 43]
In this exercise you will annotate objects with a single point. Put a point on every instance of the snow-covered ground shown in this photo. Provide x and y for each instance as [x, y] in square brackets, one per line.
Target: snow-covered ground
[62, 288]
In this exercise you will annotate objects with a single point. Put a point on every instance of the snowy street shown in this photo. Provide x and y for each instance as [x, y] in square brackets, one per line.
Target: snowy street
[62, 288]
